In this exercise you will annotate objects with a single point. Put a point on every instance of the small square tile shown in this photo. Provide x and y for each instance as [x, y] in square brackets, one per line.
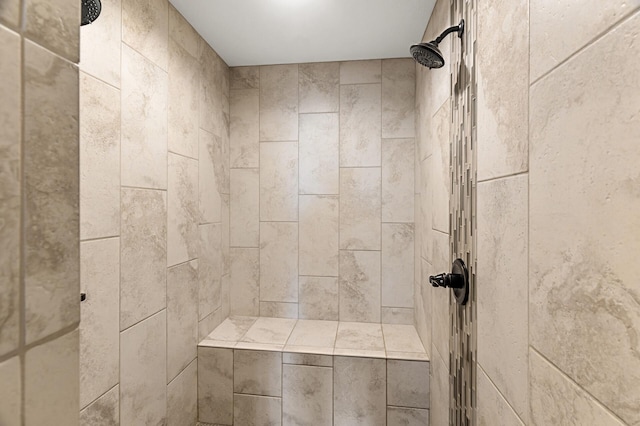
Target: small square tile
[362, 336]
[257, 372]
[408, 383]
[401, 338]
[318, 298]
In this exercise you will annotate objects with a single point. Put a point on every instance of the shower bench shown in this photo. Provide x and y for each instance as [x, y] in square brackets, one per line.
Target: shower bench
[261, 371]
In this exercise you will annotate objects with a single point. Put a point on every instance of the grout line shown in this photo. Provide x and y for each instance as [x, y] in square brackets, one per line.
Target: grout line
[507, 176]
[504, 398]
[100, 396]
[22, 325]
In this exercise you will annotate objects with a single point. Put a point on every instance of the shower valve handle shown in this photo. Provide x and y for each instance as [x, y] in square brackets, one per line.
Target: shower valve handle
[447, 280]
[457, 280]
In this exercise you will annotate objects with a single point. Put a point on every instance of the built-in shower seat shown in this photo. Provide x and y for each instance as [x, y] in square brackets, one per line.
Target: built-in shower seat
[275, 371]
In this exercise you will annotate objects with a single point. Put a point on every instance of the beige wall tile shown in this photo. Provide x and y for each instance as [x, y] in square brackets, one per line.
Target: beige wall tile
[209, 270]
[408, 383]
[54, 25]
[556, 399]
[10, 192]
[279, 261]
[438, 391]
[182, 211]
[307, 359]
[244, 128]
[144, 122]
[579, 262]
[215, 385]
[210, 322]
[319, 89]
[360, 110]
[183, 33]
[492, 407]
[143, 378]
[51, 382]
[245, 208]
[245, 78]
[245, 281]
[101, 43]
[397, 416]
[439, 298]
[182, 397]
[10, 13]
[318, 298]
[360, 286]
[99, 325]
[401, 338]
[270, 330]
[355, 72]
[214, 91]
[319, 223]
[398, 98]
[182, 317]
[397, 315]
[319, 151]
[145, 27]
[397, 253]
[257, 372]
[257, 410]
[51, 175]
[11, 391]
[99, 159]
[279, 181]
[360, 209]
[359, 391]
[438, 170]
[279, 309]
[210, 177]
[307, 395]
[397, 180]
[279, 103]
[143, 254]
[502, 265]
[314, 333]
[103, 411]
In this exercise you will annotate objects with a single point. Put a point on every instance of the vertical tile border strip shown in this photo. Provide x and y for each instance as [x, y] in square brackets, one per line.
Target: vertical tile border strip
[462, 219]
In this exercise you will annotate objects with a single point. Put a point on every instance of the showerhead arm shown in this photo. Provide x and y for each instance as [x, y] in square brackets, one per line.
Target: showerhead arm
[457, 28]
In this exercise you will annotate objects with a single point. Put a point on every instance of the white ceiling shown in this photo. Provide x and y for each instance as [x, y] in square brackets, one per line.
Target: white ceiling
[260, 32]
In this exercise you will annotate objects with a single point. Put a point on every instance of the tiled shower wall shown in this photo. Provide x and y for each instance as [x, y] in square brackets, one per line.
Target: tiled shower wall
[154, 210]
[557, 161]
[39, 261]
[322, 213]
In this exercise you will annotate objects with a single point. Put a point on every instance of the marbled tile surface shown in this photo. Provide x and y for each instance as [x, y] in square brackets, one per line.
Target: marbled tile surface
[360, 336]
[279, 261]
[245, 281]
[355, 72]
[10, 13]
[245, 78]
[182, 317]
[359, 396]
[318, 227]
[440, 316]
[319, 87]
[232, 329]
[408, 383]
[181, 32]
[313, 333]
[145, 27]
[11, 391]
[360, 208]
[182, 210]
[143, 253]
[54, 25]
[318, 298]
[144, 121]
[244, 128]
[99, 159]
[99, 318]
[398, 416]
[103, 62]
[270, 330]
[491, 405]
[215, 385]
[104, 411]
[209, 177]
[439, 391]
[209, 269]
[318, 148]
[253, 410]
[214, 91]
[360, 286]
[401, 338]
[257, 372]
[182, 397]
[397, 315]
[307, 359]
[398, 98]
[210, 322]
[279, 181]
[51, 187]
[279, 103]
[398, 180]
[10, 136]
[397, 253]
[245, 208]
[307, 395]
[438, 172]
[360, 109]
[279, 309]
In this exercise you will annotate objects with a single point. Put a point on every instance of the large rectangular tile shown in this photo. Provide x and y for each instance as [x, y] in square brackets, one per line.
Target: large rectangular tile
[145, 27]
[360, 111]
[279, 103]
[51, 382]
[398, 98]
[245, 281]
[360, 286]
[318, 147]
[492, 406]
[244, 128]
[182, 33]
[245, 208]
[245, 78]
[99, 159]
[307, 395]
[182, 317]
[279, 181]
[408, 383]
[143, 254]
[182, 397]
[144, 121]
[54, 25]
[214, 91]
[270, 330]
[99, 318]
[319, 238]
[319, 89]
[106, 32]
[359, 396]
[182, 210]
[318, 298]
[210, 177]
[257, 372]
[104, 411]
[360, 209]
[279, 261]
[10, 187]
[215, 385]
[438, 172]
[253, 410]
[355, 72]
[11, 391]
[209, 269]
[397, 264]
[398, 180]
[51, 187]
[439, 391]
